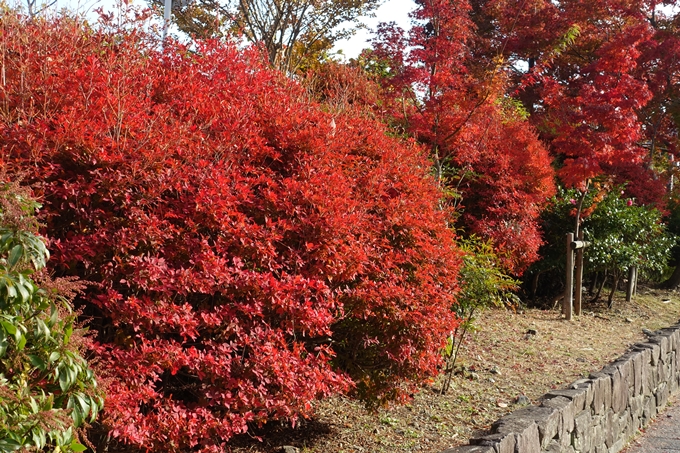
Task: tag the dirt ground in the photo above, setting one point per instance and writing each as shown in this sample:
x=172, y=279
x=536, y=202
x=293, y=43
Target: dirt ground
x=501, y=361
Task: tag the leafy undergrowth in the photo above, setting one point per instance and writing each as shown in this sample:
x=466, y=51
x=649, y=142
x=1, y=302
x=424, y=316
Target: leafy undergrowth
x=501, y=361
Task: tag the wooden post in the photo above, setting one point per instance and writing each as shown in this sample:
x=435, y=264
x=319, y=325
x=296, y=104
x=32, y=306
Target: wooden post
x=568, y=301
x=632, y=277
x=578, y=283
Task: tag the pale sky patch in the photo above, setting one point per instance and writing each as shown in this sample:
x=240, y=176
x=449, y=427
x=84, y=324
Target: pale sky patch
x=390, y=11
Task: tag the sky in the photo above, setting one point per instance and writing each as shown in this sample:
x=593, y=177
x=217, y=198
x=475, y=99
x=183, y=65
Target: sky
x=390, y=11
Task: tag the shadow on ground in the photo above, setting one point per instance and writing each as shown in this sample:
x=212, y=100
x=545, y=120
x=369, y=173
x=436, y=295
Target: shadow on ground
x=274, y=435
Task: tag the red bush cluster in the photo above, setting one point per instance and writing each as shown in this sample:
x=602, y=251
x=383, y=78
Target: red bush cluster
x=250, y=253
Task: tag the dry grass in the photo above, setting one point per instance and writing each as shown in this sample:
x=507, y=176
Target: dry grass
x=499, y=362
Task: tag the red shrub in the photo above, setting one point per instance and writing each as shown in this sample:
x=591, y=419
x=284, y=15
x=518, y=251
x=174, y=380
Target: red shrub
x=251, y=254
x=505, y=186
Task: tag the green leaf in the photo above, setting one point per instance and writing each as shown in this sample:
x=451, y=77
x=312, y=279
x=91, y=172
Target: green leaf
x=72, y=375
x=6, y=237
x=53, y=315
x=39, y=438
x=9, y=445
x=42, y=329
x=54, y=357
x=11, y=289
x=75, y=446
x=77, y=416
x=48, y=404
x=84, y=403
x=64, y=383
x=9, y=327
x=37, y=362
x=24, y=293
x=34, y=406
x=15, y=255
x=96, y=404
x=22, y=341
x=68, y=331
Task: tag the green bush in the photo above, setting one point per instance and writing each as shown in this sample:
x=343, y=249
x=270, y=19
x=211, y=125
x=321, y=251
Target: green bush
x=626, y=235
x=622, y=234
x=47, y=389
x=482, y=284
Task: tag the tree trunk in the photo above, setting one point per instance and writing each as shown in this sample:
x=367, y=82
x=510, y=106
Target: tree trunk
x=674, y=280
x=615, y=286
x=599, y=288
x=534, y=285
x=593, y=283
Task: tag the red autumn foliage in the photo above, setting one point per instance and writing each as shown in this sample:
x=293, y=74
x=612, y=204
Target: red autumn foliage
x=506, y=185
x=593, y=67
x=659, y=68
x=484, y=150
x=641, y=182
x=342, y=88
x=593, y=121
x=249, y=253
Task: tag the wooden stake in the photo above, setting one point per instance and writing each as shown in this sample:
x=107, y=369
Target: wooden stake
x=578, y=284
x=632, y=277
x=568, y=301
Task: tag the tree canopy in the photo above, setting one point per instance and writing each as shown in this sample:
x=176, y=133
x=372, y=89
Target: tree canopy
x=292, y=32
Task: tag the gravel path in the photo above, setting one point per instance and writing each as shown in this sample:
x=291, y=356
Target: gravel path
x=663, y=434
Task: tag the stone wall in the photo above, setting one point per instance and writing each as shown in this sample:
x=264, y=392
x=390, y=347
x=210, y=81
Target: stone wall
x=595, y=415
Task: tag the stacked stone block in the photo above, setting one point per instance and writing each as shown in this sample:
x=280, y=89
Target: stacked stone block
x=595, y=415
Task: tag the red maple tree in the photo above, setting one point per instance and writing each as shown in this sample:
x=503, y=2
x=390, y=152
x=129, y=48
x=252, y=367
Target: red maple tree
x=588, y=85
x=453, y=100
